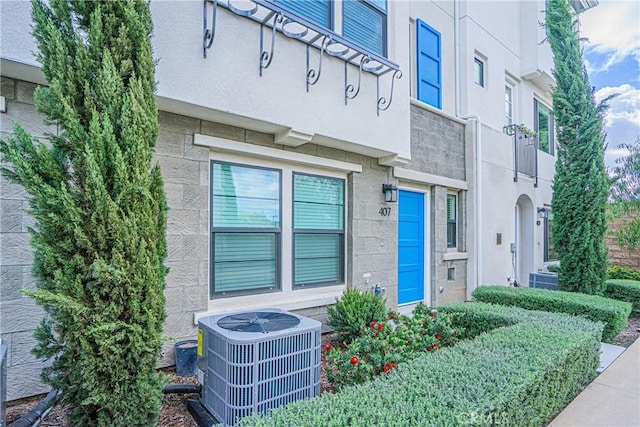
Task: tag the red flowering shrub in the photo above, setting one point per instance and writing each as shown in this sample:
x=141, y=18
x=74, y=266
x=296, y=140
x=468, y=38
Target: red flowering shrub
x=385, y=344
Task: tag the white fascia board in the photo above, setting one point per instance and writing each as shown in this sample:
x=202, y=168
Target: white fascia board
x=225, y=145
x=427, y=178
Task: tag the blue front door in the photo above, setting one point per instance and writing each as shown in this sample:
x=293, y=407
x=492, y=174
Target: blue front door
x=410, y=247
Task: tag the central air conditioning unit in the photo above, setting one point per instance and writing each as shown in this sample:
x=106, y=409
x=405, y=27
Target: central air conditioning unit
x=255, y=361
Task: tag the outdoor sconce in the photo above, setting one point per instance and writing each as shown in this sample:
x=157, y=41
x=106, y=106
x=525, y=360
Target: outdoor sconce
x=390, y=193
x=543, y=213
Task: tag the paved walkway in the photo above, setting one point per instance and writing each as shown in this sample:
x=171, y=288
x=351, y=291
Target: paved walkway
x=612, y=399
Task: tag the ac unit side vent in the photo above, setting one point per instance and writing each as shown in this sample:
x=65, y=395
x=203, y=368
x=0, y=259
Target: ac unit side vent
x=257, y=361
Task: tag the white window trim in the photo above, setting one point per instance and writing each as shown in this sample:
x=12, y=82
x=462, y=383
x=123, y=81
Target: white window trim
x=508, y=84
x=256, y=151
x=287, y=298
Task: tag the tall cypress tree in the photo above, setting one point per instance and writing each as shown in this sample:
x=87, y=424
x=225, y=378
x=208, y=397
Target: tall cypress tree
x=580, y=185
x=99, y=208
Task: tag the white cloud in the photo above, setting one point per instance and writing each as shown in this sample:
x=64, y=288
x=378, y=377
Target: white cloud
x=624, y=107
x=613, y=29
x=622, y=120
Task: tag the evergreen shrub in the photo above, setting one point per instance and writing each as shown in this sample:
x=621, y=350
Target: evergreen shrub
x=99, y=210
x=624, y=290
x=598, y=309
x=353, y=311
x=520, y=375
x=618, y=272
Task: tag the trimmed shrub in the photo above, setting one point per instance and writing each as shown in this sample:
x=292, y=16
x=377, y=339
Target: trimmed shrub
x=599, y=309
x=624, y=290
x=522, y=375
x=352, y=313
x=618, y=272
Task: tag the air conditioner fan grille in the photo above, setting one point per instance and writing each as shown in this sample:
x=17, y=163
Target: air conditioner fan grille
x=258, y=321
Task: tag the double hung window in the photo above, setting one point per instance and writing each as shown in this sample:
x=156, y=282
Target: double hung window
x=246, y=228
x=255, y=237
x=318, y=229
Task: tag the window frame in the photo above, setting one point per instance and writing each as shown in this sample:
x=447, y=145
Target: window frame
x=479, y=64
x=453, y=242
x=384, y=13
x=331, y=12
x=548, y=237
x=285, y=242
x=341, y=233
x=241, y=230
x=550, y=127
x=510, y=119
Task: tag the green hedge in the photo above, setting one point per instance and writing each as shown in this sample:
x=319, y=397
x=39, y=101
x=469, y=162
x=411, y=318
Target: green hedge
x=521, y=375
x=624, y=290
x=618, y=272
x=599, y=309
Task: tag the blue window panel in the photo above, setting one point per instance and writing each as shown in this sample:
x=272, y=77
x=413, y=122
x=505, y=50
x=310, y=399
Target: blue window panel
x=365, y=25
x=429, y=65
x=316, y=11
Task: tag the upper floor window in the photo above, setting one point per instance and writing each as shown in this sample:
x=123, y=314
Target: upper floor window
x=543, y=126
x=428, y=65
x=478, y=71
x=317, y=11
x=363, y=21
x=508, y=104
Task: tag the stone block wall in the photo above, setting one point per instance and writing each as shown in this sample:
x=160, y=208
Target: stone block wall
x=438, y=148
x=19, y=315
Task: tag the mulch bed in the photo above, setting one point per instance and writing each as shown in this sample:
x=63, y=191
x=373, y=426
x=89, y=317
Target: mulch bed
x=174, y=411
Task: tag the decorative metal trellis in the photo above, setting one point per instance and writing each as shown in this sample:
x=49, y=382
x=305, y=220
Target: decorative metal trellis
x=274, y=19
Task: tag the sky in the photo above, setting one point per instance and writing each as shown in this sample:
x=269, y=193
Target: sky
x=612, y=59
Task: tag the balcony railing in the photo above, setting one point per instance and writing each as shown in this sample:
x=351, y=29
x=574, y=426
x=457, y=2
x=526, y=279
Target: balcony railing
x=525, y=152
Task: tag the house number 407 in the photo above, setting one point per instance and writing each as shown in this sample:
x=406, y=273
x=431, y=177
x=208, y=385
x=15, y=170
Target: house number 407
x=384, y=211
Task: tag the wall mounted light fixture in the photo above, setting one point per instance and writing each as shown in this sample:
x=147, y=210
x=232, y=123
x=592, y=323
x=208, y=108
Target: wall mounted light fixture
x=543, y=213
x=390, y=193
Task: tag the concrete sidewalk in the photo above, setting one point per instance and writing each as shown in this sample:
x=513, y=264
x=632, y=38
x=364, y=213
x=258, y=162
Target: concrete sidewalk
x=612, y=399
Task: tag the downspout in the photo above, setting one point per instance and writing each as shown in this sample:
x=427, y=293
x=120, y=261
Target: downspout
x=478, y=150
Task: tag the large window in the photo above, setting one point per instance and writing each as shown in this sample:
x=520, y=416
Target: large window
x=247, y=234
x=318, y=230
x=428, y=65
x=543, y=126
x=246, y=227
x=452, y=220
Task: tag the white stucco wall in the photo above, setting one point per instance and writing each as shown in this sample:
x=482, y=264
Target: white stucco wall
x=226, y=85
